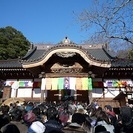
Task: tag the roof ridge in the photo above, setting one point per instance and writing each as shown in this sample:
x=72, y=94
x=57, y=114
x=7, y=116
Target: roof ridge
x=31, y=51
x=108, y=53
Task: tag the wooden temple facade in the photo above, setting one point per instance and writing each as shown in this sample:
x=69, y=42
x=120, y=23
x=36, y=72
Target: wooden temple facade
x=68, y=71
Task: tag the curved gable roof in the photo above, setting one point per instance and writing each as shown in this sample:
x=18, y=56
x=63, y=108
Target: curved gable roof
x=94, y=56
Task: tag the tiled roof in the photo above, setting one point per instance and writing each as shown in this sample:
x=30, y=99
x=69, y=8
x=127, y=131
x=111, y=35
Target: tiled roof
x=36, y=55
x=122, y=62
x=11, y=63
x=97, y=53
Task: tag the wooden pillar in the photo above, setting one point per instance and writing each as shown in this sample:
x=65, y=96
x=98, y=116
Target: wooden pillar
x=43, y=84
x=60, y=95
x=75, y=95
x=6, y=92
x=42, y=96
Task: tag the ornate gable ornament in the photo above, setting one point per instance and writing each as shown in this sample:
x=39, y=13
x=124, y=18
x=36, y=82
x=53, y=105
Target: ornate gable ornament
x=66, y=40
x=66, y=68
x=65, y=54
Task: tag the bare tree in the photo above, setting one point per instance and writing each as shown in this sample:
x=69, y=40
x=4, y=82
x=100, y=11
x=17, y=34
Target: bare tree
x=109, y=21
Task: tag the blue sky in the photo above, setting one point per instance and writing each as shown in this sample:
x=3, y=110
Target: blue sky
x=44, y=21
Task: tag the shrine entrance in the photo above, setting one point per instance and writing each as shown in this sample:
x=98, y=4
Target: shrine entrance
x=80, y=95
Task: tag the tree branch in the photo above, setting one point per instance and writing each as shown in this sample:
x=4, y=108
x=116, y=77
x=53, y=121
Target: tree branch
x=123, y=38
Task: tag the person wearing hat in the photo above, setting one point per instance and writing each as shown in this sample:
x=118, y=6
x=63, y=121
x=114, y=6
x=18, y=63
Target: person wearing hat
x=36, y=127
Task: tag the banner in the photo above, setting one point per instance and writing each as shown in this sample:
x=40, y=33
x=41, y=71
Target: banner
x=66, y=83
x=48, y=83
x=36, y=84
x=118, y=83
x=43, y=84
x=72, y=83
x=97, y=84
x=84, y=83
x=78, y=84
x=60, y=83
x=90, y=83
x=54, y=83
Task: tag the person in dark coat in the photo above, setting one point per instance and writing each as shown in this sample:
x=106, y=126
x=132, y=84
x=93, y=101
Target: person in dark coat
x=53, y=123
x=10, y=128
x=126, y=119
x=76, y=125
x=101, y=129
x=16, y=116
x=111, y=114
x=4, y=116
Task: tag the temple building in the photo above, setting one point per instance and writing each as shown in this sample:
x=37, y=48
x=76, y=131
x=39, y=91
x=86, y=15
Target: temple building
x=69, y=71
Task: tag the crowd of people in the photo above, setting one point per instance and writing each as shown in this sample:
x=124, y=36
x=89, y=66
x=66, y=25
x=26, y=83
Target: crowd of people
x=64, y=117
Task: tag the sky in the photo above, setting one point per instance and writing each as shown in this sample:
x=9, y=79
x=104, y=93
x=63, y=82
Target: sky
x=44, y=21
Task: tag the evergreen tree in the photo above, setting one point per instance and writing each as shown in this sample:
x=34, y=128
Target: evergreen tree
x=13, y=44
